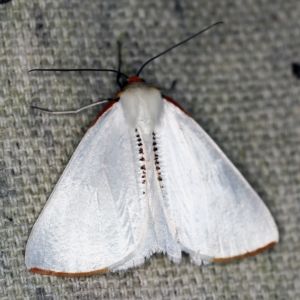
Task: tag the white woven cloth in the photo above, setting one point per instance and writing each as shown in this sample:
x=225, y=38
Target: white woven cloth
x=235, y=81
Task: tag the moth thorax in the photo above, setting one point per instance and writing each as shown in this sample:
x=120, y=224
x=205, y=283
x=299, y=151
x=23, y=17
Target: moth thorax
x=142, y=106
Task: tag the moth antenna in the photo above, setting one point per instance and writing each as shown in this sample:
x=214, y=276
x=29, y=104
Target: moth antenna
x=78, y=70
x=186, y=40
x=72, y=111
x=119, y=65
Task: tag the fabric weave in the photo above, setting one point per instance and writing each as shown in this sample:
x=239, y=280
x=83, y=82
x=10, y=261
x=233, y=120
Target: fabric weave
x=235, y=80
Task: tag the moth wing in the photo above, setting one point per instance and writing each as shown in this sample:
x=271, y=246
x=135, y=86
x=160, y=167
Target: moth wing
x=217, y=215
x=94, y=218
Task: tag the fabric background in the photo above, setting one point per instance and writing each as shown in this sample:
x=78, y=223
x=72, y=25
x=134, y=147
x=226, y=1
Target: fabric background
x=235, y=80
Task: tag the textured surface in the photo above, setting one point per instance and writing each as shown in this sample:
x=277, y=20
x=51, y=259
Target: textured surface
x=235, y=81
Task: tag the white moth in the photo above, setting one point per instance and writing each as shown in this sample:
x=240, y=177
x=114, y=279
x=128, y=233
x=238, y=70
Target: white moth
x=146, y=178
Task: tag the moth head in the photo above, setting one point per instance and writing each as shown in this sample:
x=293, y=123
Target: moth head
x=135, y=79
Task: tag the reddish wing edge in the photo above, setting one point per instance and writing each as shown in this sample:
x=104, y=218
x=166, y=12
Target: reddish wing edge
x=65, y=274
x=105, y=108
x=175, y=103
x=104, y=270
x=225, y=259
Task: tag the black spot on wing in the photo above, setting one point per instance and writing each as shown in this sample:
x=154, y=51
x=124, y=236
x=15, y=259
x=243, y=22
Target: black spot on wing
x=156, y=158
x=141, y=156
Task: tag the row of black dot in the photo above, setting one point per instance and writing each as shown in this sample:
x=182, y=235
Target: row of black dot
x=141, y=151
x=156, y=157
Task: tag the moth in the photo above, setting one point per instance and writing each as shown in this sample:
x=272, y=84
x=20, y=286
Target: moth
x=145, y=179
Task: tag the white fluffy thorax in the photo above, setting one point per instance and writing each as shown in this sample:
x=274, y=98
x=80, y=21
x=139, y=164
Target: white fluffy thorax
x=142, y=106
